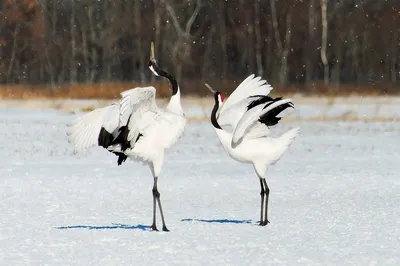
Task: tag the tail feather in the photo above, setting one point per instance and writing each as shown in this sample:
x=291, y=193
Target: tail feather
x=271, y=117
x=287, y=138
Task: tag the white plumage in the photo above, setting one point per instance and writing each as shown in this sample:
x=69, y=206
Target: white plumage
x=134, y=127
x=250, y=86
x=249, y=120
x=250, y=112
x=84, y=131
x=138, y=111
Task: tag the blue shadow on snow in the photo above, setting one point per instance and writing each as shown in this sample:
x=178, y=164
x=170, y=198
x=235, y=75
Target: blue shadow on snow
x=219, y=221
x=106, y=227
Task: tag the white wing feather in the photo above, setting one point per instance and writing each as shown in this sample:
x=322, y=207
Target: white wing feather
x=133, y=107
x=250, y=117
x=257, y=130
x=139, y=99
x=84, y=131
x=232, y=114
x=250, y=86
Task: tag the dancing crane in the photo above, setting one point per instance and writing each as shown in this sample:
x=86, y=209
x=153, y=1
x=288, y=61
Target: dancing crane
x=251, y=112
x=135, y=127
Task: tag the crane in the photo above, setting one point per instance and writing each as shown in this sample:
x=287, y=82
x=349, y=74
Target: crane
x=251, y=112
x=136, y=128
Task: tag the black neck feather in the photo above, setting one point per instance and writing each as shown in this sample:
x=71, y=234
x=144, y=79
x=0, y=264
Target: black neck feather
x=214, y=121
x=171, y=79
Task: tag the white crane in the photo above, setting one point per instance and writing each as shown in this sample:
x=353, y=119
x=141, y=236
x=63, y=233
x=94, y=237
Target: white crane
x=250, y=113
x=135, y=127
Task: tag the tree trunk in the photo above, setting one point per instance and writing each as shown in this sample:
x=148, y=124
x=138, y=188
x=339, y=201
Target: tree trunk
x=258, y=54
x=93, y=48
x=223, y=42
x=139, y=44
x=309, y=52
x=85, y=51
x=394, y=57
x=47, y=36
x=74, y=71
x=208, y=47
x=283, y=50
x=157, y=25
x=13, y=51
x=324, y=22
x=338, y=62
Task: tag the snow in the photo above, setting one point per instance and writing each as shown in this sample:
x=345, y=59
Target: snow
x=311, y=108
x=334, y=199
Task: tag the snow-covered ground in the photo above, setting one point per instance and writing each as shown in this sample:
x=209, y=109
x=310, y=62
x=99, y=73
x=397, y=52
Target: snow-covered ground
x=335, y=199
x=307, y=108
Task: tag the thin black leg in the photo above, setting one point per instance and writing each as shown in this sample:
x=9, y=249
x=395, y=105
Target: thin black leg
x=266, y=201
x=156, y=196
x=155, y=192
x=162, y=214
x=262, y=193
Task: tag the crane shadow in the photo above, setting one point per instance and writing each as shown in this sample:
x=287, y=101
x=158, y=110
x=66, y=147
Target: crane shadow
x=218, y=221
x=107, y=227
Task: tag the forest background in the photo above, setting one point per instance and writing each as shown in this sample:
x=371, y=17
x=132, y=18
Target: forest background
x=95, y=49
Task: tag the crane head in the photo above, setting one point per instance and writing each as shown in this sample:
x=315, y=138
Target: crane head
x=221, y=97
x=218, y=95
x=153, y=62
x=152, y=57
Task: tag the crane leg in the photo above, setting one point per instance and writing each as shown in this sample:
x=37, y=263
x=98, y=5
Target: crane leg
x=262, y=193
x=266, y=201
x=155, y=192
x=156, y=197
x=162, y=215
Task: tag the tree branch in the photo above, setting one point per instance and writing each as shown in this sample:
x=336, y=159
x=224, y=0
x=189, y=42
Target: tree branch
x=275, y=25
x=193, y=17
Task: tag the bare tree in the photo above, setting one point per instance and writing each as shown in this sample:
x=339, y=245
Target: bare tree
x=324, y=37
x=14, y=50
x=182, y=45
x=55, y=41
x=258, y=55
x=282, y=46
x=139, y=44
x=73, y=64
x=222, y=36
x=395, y=56
x=309, y=53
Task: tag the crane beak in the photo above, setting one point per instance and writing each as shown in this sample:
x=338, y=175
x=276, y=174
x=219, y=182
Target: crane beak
x=152, y=57
x=210, y=88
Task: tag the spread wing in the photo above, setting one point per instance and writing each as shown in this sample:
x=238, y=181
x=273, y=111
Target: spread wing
x=237, y=103
x=83, y=132
x=232, y=114
x=250, y=86
x=137, y=110
x=103, y=126
x=266, y=113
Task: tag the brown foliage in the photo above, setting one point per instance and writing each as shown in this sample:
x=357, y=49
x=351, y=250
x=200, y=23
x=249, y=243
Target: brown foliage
x=58, y=42
x=76, y=91
x=112, y=90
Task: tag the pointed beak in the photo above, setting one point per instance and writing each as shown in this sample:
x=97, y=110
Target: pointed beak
x=152, y=57
x=210, y=88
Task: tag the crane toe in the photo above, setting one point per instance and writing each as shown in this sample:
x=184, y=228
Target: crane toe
x=154, y=228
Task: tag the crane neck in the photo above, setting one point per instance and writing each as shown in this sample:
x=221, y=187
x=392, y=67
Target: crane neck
x=161, y=73
x=174, y=104
x=214, y=121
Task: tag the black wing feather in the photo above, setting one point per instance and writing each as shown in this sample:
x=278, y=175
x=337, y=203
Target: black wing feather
x=260, y=99
x=270, y=118
x=106, y=139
